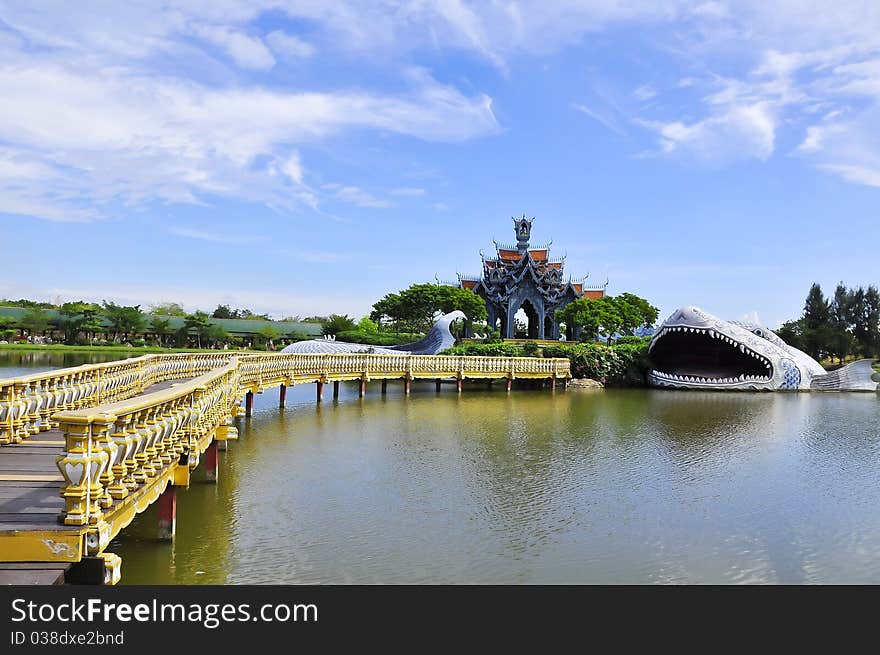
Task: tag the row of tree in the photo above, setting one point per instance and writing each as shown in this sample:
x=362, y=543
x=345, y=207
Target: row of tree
x=90, y=322
x=846, y=324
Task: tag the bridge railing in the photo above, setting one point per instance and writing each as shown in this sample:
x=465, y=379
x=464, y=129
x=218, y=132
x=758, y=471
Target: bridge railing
x=119, y=456
x=28, y=402
x=262, y=370
x=123, y=450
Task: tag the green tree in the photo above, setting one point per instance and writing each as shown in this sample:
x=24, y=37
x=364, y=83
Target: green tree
x=216, y=334
x=367, y=326
x=841, y=339
x=450, y=299
x=197, y=322
x=8, y=328
x=390, y=306
x=817, y=330
x=161, y=327
x=864, y=318
x=168, y=309
x=792, y=333
x=222, y=311
x=79, y=317
x=337, y=323
x=607, y=316
x=34, y=320
x=267, y=335
x=635, y=312
x=127, y=321
x=415, y=307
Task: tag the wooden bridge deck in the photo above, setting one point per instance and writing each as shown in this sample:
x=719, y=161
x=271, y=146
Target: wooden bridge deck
x=30, y=501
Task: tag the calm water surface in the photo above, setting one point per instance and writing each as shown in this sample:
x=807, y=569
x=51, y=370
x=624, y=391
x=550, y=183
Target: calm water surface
x=621, y=486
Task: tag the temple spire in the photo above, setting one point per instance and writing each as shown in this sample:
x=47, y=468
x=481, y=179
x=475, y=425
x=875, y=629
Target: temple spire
x=523, y=229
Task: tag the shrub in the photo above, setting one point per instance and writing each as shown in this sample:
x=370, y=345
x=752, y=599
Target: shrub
x=377, y=338
x=486, y=350
x=620, y=364
x=531, y=349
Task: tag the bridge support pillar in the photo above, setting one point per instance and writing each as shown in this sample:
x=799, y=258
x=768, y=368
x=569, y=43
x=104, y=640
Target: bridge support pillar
x=553, y=383
x=319, y=391
x=437, y=385
x=167, y=513
x=384, y=386
x=212, y=461
x=458, y=384
x=336, y=389
x=282, y=395
x=407, y=385
x=249, y=403
x=509, y=384
x=362, y=389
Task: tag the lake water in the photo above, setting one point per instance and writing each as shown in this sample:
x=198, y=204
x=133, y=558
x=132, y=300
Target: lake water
x=620, y=486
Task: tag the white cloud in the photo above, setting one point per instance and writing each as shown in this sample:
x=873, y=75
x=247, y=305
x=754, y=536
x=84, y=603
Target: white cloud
x=215, y=237
x=736, y=132
x=357, y=196
x=247, y=51
x=292, y=168
x=601, y=118
x=288, y=45
x=114, y=136
x=408, y=191
x=644, y=92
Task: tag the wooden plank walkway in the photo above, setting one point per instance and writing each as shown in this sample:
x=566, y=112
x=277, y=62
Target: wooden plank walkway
x=30, y=500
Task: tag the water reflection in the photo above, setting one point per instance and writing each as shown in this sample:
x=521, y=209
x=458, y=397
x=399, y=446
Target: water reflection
x=26, y=362
x=620, y=486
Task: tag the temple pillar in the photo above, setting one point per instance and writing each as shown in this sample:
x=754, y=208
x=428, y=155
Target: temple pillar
x=541, y=315
x=511, y=322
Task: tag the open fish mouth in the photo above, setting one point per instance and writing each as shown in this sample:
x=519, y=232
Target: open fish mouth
x=693, y=356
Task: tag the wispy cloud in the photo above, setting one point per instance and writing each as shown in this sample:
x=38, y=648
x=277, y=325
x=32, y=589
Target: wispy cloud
x=601, y=117
x=408, y=191
x=288, y=45
x=216, y=237
x=644, y=92
x=357, y=196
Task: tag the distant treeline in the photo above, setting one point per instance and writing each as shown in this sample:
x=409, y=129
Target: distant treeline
x=168, y=324
x=847, y=324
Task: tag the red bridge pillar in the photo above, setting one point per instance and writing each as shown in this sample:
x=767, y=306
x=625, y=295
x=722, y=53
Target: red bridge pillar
x=212, y=461
x=167, y=513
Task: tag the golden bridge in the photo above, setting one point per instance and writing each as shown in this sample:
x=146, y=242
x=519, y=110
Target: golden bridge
x=83, y=450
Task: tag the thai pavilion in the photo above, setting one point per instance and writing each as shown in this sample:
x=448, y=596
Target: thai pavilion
x=521, y=277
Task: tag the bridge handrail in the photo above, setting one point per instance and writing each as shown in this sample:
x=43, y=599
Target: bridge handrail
x=28, y=402
x=133, y=444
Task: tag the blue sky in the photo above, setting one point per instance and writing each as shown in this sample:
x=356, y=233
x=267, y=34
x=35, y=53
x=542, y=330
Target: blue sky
x=308, y=157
